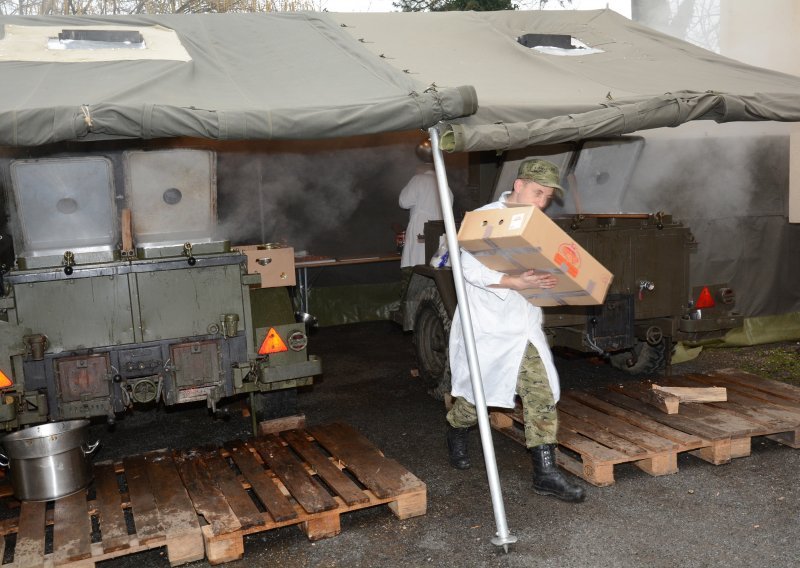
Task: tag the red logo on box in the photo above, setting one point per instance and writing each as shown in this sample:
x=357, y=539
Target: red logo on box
x=568, y=259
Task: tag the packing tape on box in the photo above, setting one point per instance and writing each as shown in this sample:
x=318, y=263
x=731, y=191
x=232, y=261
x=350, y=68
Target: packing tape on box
x=508, y=253
x=558, y=297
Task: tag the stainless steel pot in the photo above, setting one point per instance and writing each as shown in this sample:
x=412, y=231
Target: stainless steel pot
x=49, y=461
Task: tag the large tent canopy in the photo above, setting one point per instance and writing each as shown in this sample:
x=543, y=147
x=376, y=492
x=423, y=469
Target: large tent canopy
x=628, y=77
x=312, y=75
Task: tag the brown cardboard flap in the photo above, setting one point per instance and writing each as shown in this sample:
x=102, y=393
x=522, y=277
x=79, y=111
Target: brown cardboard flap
x=275, y=264
x=515, y=239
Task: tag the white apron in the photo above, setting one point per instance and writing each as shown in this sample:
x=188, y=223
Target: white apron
x=421, y=197
x=503, y=323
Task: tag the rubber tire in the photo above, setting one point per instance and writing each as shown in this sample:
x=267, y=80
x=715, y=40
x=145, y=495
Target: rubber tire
x=649, y=358
x=431, y=342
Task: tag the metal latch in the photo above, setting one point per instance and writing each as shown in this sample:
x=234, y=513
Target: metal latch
x=645, y=285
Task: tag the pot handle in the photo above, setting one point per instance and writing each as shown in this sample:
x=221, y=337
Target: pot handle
x=88, y=450
x=3, y=460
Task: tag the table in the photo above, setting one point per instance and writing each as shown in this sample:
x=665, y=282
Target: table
x=303, y=263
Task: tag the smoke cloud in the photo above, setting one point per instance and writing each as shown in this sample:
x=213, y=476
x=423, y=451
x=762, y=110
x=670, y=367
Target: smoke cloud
x=729, y=185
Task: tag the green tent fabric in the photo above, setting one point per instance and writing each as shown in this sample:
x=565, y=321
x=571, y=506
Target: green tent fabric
x=633, y=78
x=249, y=76
x=315, y=75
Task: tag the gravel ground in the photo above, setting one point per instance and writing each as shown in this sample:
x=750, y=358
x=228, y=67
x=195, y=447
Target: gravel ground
x=745, y=513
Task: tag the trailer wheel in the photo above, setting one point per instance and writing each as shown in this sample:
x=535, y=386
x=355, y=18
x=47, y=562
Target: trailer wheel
x=642, y=359
x=431, y=340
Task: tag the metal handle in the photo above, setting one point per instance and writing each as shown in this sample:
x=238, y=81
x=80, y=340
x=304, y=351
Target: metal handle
x=90, y=448
x=3, y=460
x=264, y=261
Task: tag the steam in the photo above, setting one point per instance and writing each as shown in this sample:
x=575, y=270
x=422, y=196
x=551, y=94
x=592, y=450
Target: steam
x=331, y=198
x=729, y=185
x=329, y=202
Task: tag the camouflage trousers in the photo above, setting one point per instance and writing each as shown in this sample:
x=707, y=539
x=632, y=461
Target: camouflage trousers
x=538, y=404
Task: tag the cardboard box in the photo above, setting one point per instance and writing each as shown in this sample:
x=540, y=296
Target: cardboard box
x=275, y=264
x=522, y=237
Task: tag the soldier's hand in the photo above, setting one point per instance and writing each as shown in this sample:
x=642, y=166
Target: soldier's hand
x=533, y=279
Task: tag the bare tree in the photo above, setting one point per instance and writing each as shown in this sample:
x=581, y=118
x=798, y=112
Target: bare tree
x=85, y=7
x=696, y=21
x=476, y=5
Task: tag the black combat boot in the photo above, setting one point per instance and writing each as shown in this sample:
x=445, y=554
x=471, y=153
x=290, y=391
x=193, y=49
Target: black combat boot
x=458, y=447
x=548, y=479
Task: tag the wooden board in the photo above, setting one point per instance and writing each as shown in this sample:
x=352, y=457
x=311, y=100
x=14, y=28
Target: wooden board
x=302, y=465
x=336, y=480
x=385, y=477
x=263, y=485
x=208, y=499
x=616, y=425
x=291, y=471
x=29, y=549
x=237, y=498
x=109, y=508
x=202, y=502
x=72, y=529
x=143, y=504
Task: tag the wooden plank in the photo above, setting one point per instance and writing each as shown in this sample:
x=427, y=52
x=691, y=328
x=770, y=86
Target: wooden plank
x=641, y=438
x=332, y=475
x=659, y=464
x=206, y=497
x=694, y=394
x=384, y=477
x=771, y=386
x=222, y=548
x=751, y=391
x=29, y=550
x=759, y=412
x=145, y=512
x=306, y=490
x=184, y=537
x=297, y=421
x=589, y=449
x=665, y=402
x=238, y=499
x=126, y=230
x=639, y=420
x=271, y=496
x=599, y=435
x=113, y=528
x=503, y=423
x=745, y=396
x=791, y=439
x=322, y=526
x=675, y=421
x=72, y=529
x=600, y=475
x=719, y=452
x=410, y=504
x=693, y=415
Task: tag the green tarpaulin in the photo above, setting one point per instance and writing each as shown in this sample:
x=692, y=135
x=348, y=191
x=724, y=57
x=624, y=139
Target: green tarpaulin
x=312, y=75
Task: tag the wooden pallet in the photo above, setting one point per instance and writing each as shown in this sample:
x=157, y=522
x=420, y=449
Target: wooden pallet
x=616, y=425
x=201, y=503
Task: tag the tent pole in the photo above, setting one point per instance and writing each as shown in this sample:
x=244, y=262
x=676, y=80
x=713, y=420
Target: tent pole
x=503, y=538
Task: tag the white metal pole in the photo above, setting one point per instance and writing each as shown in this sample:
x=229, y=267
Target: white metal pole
x=503, y=537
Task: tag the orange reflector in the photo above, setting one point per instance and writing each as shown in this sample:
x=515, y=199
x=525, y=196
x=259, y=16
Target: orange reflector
x=272, y=343
x=705, y=300
x=5, y=381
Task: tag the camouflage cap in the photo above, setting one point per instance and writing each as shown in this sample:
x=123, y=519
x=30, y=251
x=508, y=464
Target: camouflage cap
x=542, y=172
